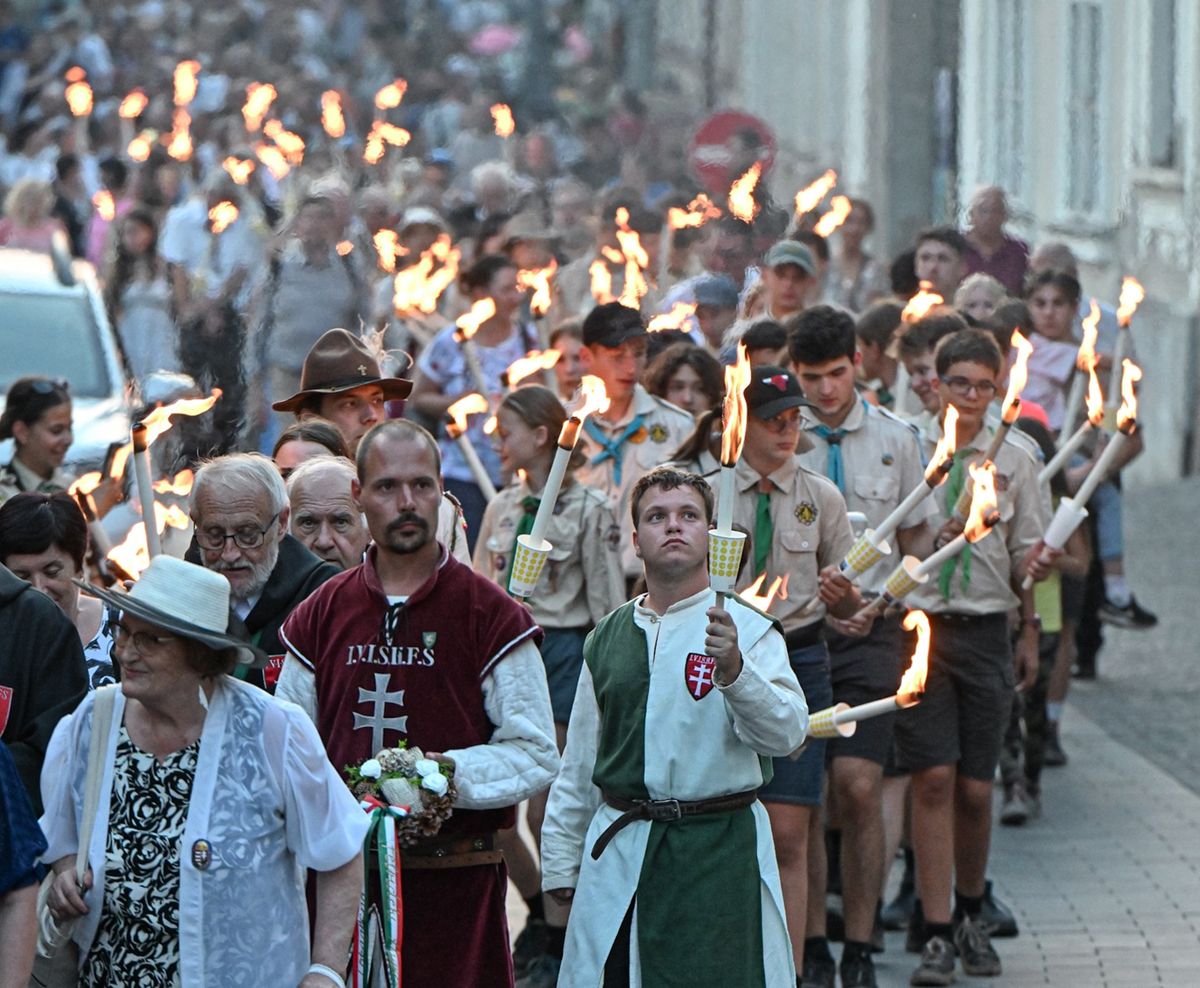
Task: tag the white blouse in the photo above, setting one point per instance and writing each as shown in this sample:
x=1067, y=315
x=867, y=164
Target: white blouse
x=267, y=803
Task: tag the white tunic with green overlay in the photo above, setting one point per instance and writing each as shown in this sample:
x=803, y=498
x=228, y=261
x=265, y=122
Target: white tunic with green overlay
x=650, y=723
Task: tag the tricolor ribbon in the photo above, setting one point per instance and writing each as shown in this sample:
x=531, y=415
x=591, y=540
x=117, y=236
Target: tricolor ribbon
x=379, y=927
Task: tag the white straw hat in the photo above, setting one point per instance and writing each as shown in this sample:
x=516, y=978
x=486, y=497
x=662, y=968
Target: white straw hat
x=185, y=599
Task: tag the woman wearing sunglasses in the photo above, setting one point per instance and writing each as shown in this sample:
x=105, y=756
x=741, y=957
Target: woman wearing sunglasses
x=37, y=418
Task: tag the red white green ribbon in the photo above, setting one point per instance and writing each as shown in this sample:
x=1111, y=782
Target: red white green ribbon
x=379, y=926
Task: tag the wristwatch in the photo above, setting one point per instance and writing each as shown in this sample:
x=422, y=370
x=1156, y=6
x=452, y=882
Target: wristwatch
x=1033, y=621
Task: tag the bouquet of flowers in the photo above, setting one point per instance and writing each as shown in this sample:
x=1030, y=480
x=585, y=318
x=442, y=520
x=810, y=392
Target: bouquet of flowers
x=420, y=791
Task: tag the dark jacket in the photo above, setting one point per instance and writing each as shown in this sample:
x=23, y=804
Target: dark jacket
x=42, y=675
x=297, y=573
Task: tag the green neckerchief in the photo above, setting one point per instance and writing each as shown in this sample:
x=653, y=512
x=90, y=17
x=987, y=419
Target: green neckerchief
x=764, y=532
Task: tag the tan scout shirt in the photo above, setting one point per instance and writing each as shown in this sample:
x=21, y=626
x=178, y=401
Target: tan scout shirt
x=15, y=477
x=881, y=462
x=664, y=428
x=811, y=531
x=1024, y=514
x=582, y=580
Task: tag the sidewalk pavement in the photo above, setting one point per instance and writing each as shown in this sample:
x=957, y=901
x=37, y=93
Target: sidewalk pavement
x=1105, y=885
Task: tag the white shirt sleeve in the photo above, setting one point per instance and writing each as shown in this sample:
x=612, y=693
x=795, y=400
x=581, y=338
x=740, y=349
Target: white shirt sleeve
x=573, y=797
x=766, y=703
x=521, y=758
x=298, y=684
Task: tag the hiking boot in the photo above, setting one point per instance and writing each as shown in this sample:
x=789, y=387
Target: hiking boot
x=530, y=945
x=996, y=916
x=914, y=939
x=1014, y=812
x=819, y=972
x=1133, y=616
x=542, y=973
x=858, y=972
x=1053, y=755
x=975, y=950
x=937, y=964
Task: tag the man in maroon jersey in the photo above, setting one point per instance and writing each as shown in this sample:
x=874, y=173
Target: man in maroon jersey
x=413, y=645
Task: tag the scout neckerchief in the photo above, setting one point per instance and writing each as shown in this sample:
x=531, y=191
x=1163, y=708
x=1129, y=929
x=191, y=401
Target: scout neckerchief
x=610, y=449
x=525, y=524
x=835, y=468
x=764, y=528
x=955, y=482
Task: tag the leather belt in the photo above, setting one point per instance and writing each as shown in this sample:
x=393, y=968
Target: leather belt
x=452, y=852
x=666, y=810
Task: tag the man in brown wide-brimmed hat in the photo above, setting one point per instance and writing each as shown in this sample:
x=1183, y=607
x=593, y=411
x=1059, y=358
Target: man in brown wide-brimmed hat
x=341, y=381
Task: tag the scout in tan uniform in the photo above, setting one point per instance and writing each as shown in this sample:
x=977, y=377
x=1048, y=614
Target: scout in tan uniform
x=951, y=740
x=797, y=526
x=875, y=460
x=580, y=584
x=639, y=431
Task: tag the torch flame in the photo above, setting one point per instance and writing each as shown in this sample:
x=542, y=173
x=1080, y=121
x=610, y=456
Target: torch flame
x=239, y=169
x=741, y=194
x=332, y=118
x=808, y=198
x=133, y=105
x=1131, y=297
x=75, y=74
x=733, y=435
x=387, y=246
x=418, y=288
x=185, y=81
x=180, y=484
x=538, y=280
x=389, y=97
x=139, y=147
x=179, y=141
x=593, y=398
x=292, y=145
x=830, y=221
x=222, y=216
x=86, y=484
x=469, y=322
x=381, y=135
x=344, y=248
x=919, y=305
x=983, y=502
x=472, y=404
x=132, y=555
x=699, y=211
x=601, y=282
x=1095, y=396
x=503, y=119
x=912, y=684
x=1017, y=376
x=106, y=208
x=1086, y=358
x=675, y=319
x=636, y=261
x=1131, y=373
x=273, y=160
x=259, y=97
x=943, y=452
x=79, y=97
x=752, y=594
x=491, y=425
x=157, y=422
x=531, y=363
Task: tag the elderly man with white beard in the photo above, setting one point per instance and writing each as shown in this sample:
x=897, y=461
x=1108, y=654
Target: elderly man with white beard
x=240, y=509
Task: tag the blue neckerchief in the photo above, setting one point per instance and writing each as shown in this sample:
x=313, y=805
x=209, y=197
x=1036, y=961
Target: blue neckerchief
x=611, y=448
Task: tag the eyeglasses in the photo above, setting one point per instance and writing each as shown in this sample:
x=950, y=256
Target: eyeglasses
x=247, y=537
x=143, y=641
x=962, y=387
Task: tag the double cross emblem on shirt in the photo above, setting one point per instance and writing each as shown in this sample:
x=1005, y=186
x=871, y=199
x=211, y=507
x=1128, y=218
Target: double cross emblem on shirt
x=376, y=722
x=698, y=674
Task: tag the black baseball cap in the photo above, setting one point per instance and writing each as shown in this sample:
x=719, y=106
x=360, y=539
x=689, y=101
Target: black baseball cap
x=611, y=324
x=773, y=390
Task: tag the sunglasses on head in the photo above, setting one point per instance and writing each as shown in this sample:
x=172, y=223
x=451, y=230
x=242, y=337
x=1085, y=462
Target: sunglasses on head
x=48, y=386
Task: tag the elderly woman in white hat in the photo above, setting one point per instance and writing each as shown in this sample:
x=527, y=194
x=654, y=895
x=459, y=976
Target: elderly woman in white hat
x=214, y=799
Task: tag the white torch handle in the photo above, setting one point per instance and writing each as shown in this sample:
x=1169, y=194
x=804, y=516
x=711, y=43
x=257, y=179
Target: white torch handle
x=476, y=467
x=472, y=361
x=1074, y=401
x=865, y=711
x=1113, y=398
x=1100, y=471
x=545, y=511
x=948, y=551
x=1059, y=459
x=725, y=499
x=892, y=522
x=141, y=472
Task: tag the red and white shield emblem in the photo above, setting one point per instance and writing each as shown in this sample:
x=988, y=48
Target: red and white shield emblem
x=5, y=706
x=698, y=674
x=272, y=670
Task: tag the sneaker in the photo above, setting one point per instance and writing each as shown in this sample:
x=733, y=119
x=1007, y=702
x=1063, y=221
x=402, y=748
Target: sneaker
x=914, y=939
x=897, y=912
x=975, y=950
x=996, y=916
x=542, y=973
x=530, y=945
x=1132, y=616
x=819, y=972
x=1014, y=812
x=937, y=964
x=858, y=972
x=1053, y=755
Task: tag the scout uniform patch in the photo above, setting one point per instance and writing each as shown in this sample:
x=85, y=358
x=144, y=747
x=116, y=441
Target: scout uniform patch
x=806, y=512
x=639, y=436
x=658, y=433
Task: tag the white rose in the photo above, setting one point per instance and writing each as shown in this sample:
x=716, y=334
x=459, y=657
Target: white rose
x=436, y=784
x=401, y=792
x=427, y=766
x=370, y=769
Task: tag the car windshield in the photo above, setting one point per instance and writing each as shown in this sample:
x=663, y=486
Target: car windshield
x=53, y=335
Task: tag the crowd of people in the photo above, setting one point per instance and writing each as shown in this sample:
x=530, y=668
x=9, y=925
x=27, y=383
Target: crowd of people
x=345, y=584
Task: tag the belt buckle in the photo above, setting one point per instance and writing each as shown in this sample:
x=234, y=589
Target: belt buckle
x=672, y=808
